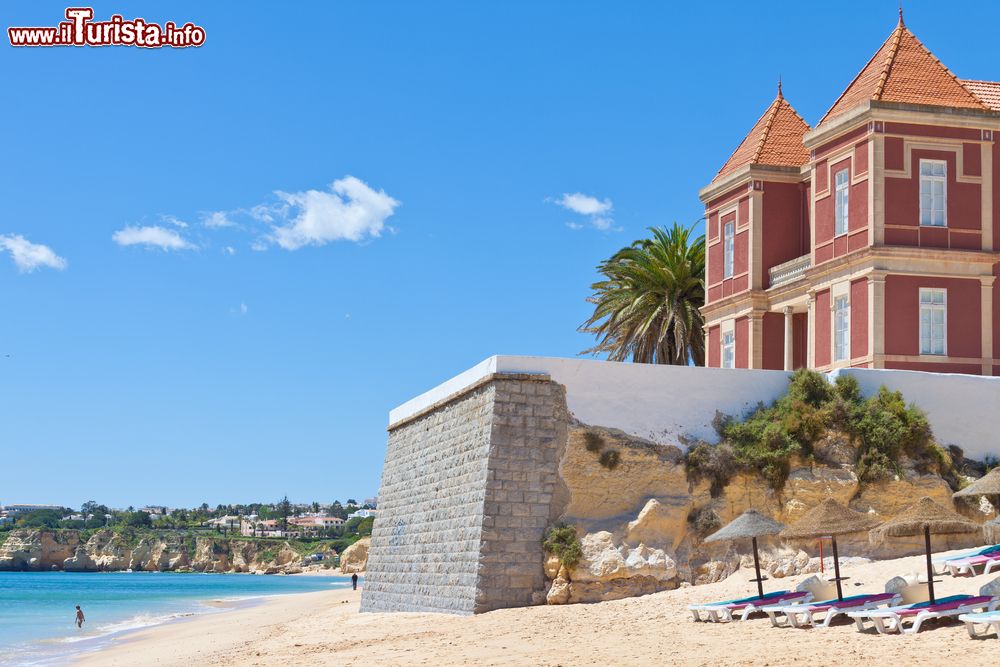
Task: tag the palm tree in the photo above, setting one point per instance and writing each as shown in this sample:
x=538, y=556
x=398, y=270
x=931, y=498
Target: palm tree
x=648, y=306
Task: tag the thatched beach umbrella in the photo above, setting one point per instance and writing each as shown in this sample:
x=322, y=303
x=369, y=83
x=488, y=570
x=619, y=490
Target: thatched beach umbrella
x=987, y=485
x=924, y=516
x=750, y=524
x=827, y=520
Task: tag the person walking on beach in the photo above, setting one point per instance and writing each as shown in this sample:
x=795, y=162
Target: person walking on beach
x=354, y=581
x=79, y=617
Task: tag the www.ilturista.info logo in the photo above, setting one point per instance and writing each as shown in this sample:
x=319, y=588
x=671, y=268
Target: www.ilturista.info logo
x=80, y=30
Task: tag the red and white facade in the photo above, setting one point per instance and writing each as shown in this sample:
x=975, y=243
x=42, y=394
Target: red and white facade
x=868, y=241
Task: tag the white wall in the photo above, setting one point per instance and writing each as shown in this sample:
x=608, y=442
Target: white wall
x=667, y=403
x=964, y=410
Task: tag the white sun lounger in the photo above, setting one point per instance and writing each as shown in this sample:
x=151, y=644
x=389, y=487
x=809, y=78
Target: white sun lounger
x=892, y=619
x=718, y=612
x=941, y=562
x=960, y=566
x=802, y=615
x=989, y=619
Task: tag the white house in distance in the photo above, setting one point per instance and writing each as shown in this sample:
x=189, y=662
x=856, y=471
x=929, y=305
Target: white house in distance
x=228, y=522
x=361, y=514
x=316, y=522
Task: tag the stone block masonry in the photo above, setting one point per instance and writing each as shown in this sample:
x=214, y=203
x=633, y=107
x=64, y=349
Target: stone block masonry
x=469, y=485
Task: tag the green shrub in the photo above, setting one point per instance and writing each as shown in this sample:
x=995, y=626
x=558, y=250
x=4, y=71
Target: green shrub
x=883, y=427
x=610, y=459
x=561, y=541
x=593, y=442
x=365, y=527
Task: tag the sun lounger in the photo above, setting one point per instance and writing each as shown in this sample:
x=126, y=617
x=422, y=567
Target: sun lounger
x=940, y=566
x=709, y=606
x=723, y=611
x=959, y=566
x=990, y=619
x=801, y=615
x=893, y=619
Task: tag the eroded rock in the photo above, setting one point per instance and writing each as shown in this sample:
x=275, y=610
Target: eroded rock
x=355, y=557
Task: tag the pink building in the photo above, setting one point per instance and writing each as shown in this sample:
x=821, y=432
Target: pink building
x=868, y=240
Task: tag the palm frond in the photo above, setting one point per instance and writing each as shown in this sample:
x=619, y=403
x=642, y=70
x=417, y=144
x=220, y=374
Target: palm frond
x=647, y=308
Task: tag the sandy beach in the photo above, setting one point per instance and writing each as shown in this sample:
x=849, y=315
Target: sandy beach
x=325, y=628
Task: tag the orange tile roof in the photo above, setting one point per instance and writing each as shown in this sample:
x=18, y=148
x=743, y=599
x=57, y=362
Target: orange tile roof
x=903, y=70
x=987, y=91
x=775, y=140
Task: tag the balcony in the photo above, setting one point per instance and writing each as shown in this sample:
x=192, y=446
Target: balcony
x=789, y=271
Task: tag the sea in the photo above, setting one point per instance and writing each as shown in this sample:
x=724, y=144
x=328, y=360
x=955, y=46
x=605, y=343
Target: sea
x=37, y=609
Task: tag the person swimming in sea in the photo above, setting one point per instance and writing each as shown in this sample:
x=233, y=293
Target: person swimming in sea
x=79, y=617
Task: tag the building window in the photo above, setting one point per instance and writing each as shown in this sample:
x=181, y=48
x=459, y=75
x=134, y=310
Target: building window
x=843, y=192
x=729, y=350
x=933, y=193
x=841, y=329
x=729, y=246
x=933, y=321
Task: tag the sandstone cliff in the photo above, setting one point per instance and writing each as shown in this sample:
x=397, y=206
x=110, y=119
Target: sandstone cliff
x=105, y=550
x=355, y=557
x=641, y=524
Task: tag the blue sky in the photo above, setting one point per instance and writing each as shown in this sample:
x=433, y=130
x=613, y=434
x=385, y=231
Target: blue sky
x=392, y=178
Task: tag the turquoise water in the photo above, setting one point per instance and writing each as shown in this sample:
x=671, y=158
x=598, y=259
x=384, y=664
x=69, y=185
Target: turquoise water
x=37, y=609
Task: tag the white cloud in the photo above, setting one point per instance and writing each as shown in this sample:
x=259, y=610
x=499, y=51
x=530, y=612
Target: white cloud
x=350, y=211
x=243, y=309
x=153, y=236
x=29, y=256
x=265, y=213
x=216, y=220
x=584, y=204
x=174, y=221
x=597, y=211
x=229, y=250
x=604, y=224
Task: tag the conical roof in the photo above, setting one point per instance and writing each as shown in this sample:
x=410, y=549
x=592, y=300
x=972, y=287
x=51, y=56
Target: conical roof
x=925, y=512
x=827, y=519
x=987, y=485
x=749, y=524
x=903, y=70
x=775, y=140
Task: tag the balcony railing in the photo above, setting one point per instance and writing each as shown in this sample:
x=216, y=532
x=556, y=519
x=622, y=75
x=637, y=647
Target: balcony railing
x=789, y=271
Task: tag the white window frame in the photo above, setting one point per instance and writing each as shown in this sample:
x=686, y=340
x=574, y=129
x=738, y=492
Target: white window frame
x=842, y=334
x=842, y=202
x=936, y=207
x=927, y=305
x=727, y=341
x=728, y=248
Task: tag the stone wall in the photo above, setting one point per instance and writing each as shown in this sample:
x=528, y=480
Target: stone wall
x=427, y=537
x=522, y=494
x=468, y=488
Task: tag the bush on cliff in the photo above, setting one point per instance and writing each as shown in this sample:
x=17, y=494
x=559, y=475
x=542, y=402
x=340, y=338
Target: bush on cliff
x=883, y=429
x=561, y=541
x=704, y=521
